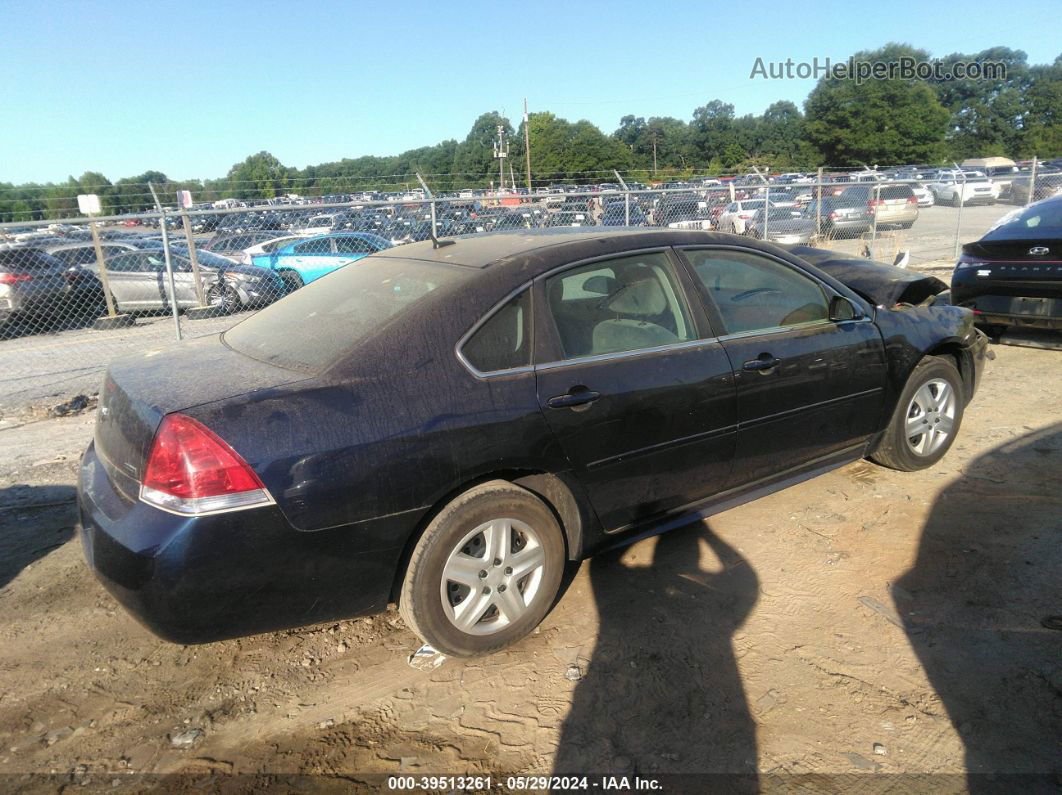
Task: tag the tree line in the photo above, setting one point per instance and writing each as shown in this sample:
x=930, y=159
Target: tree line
x=842, y=124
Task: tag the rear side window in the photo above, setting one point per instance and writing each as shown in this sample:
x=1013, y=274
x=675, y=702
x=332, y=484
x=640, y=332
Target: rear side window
x=618, y=305
x=504, y=340
x=896, y=192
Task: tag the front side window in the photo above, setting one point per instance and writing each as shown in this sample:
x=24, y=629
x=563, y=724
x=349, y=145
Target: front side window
x=504, y=340
x=754, y=293
x=624, y=304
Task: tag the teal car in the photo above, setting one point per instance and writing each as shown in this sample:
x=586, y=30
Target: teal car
x=302, y=261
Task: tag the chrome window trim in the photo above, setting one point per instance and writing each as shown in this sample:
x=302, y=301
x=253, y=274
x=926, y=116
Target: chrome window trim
x=460, y=354
x=607, y=357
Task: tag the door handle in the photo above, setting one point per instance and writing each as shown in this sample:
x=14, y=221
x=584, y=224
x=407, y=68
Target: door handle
x=577, y=397
x=762, y=362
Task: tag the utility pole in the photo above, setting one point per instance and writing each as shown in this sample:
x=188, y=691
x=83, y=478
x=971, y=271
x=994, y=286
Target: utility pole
x=527, y=146
x=654, y=154
x=501, y=151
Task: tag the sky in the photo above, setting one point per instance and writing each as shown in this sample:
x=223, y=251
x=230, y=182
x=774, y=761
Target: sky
x=190, y=87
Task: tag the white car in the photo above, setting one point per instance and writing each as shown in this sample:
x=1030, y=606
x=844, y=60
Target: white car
x=266, y=247
x=966, y=187
x=924, y=195
x=737, y=214
x=319, y=224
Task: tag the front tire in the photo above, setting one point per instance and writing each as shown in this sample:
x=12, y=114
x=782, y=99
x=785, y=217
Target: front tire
x=485, y=572
x=224, y=298
x=292, y=281
x=927, y=417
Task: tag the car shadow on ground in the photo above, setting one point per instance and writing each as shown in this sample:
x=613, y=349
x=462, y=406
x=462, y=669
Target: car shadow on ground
x=34, y=520
x=662, y=693
x=987, y=573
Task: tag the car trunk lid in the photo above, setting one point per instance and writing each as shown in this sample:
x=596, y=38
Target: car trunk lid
x=139, y=391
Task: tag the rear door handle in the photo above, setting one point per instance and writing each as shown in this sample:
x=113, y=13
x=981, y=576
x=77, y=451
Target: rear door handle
x=762, y=362
x=575, y=398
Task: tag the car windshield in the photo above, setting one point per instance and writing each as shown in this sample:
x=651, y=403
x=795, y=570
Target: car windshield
x=1035, y=222
x=315, y=325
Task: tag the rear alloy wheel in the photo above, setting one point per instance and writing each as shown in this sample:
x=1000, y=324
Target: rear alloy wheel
x=485, y=572
x=927, y=417
x=224, y=298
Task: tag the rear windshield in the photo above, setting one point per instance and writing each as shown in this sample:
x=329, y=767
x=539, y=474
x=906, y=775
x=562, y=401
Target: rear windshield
x=314, y=326
x=1037, y=221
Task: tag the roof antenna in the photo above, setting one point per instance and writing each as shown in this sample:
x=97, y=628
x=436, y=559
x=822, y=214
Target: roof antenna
x=435, y=242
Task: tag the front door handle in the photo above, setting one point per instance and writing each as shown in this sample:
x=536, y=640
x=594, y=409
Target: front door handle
x=764, y=361
x=576, y=397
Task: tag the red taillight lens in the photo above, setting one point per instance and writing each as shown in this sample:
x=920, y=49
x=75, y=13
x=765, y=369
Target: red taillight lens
x=14, y=278
x=193, y=471
x=875, y=203
x=912, y=200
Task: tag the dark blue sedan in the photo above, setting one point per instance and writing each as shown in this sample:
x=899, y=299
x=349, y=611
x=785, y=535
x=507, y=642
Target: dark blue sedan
x=446, y=426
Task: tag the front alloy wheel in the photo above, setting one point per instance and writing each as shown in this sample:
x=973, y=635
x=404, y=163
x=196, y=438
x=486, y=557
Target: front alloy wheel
x=931, y=417
x=223, y=297
x=926, y=419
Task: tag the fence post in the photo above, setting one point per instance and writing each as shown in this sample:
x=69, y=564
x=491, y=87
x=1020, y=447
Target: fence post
x=103, y=269
x=818, y=206
x=193, y=258
x=1032, y=183
x=626, y=199
x=169, y=264
x=874, y=218
x=962, y=201
x=431, y=206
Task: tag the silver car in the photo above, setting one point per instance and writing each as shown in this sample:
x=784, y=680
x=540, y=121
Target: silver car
x=139, y=282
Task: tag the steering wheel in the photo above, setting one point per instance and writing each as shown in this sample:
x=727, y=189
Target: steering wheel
x=754, y=291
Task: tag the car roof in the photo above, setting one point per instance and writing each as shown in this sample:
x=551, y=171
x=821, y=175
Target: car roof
x=550, y=247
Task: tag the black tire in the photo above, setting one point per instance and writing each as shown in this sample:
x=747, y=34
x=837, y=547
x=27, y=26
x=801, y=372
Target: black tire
x=421, y=601
x=896, y=450
x=292, y=281
x=224, y=297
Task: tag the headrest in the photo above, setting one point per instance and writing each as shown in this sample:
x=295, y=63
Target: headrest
x=644, y=298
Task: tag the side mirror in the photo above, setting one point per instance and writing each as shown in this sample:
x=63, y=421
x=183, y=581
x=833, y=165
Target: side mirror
x=841, y=309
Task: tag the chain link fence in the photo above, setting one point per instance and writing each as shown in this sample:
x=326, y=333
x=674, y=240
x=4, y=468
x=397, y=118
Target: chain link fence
x=76, y=294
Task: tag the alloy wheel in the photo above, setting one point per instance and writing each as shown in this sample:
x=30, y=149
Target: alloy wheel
x=930, y=417
x=492, y=576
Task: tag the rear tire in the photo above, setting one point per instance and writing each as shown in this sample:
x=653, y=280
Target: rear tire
x=485, y=572
x=926, y=419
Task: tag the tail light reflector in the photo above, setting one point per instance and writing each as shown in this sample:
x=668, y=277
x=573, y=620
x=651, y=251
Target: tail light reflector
x=192, y=471
x=14, y=278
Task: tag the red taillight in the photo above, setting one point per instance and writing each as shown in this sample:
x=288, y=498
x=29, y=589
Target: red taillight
x=14, y=278
x=912, y=200
x=191, y=470
x=875, y=203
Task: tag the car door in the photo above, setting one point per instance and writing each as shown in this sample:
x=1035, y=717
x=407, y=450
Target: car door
x=133, y=281
x=807, y=387
x=312, y=258
x=636, y=389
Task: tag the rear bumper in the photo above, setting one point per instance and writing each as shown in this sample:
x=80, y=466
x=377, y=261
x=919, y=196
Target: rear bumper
x=1009, y=303
x=195, y=580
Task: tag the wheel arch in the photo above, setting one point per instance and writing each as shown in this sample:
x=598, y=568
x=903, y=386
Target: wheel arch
x=963, y=360
x=560, y=493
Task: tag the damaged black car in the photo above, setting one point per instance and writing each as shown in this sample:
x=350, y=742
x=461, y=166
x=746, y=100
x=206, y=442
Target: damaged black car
x=450, y=423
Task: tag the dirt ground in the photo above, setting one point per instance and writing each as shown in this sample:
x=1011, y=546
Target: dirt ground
x=866, y=621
